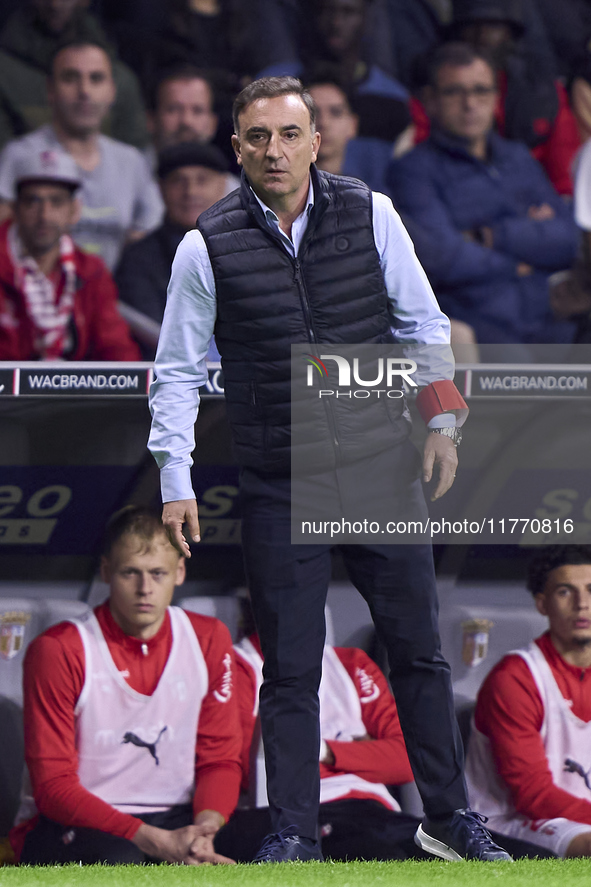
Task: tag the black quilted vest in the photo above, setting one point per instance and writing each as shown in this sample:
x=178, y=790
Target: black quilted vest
x=333, y=293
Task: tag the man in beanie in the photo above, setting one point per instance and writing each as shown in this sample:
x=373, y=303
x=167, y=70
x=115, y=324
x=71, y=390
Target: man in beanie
x=56, y=302
x=192, y=177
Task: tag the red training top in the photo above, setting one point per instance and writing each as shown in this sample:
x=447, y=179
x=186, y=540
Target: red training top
x=384, y=760
x=509, y=712
x=54, y=671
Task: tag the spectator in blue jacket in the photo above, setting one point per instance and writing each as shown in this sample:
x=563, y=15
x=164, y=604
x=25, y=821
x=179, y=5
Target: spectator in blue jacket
x=488, y=226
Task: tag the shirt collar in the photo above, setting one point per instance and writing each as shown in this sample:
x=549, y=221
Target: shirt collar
x=272, y=216
x=112, y=630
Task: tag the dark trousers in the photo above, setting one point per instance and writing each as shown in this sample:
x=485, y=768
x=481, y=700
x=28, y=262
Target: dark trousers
x=288, y=585
x=50, y=843
x=355, y=828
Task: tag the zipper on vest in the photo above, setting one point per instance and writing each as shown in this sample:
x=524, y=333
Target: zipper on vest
x=298, y=279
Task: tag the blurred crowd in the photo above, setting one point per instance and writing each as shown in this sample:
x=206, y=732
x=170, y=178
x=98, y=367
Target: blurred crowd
x=472, y=115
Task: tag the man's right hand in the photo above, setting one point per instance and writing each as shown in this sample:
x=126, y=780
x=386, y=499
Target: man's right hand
x=182, y=845
x=174, y=515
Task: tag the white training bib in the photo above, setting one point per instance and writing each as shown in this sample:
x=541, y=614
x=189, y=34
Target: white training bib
x=567, y=742
x=137, y=752
x=340, y=719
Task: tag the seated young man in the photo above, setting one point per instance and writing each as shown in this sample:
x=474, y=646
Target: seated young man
x=529, y=756
x=132, y=733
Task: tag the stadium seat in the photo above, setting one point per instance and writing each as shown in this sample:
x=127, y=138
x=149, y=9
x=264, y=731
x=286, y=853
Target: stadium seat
x=464, y=715
x=56, y=610
x=97, y=593
x=256, y=794
x=21, y=620
x=226, y=608
x=479, y=624
x=409, y=799
x=349, y=622
x=11, y=761
x=64, y=590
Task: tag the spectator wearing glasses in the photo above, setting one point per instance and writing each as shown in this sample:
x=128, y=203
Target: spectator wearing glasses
x=532, y=106
x=488, y=226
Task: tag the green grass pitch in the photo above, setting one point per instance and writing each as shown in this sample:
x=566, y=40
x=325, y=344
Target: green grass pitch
x=524, y=873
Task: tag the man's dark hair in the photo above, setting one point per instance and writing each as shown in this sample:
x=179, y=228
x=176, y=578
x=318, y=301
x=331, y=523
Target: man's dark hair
x=550, y=558
x=180, y=71
x=79, y=43
x=271, y=88
x=328, y=75
x=456, y=55
x=133, y=520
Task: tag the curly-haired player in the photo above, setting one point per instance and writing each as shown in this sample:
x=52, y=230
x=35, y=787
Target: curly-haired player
x=530, y=753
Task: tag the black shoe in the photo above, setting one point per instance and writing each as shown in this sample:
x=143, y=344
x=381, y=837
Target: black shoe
x=462, y=836
x=284, y=847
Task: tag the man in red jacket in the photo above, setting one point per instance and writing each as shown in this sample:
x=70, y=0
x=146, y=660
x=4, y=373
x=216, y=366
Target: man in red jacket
x=529, y=758
x=132, y=732
x=56, y=302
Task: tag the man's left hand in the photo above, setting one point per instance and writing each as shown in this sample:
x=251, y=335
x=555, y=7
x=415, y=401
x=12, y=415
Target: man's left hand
x=440, y=453
x=202, y=852
x=206, y=824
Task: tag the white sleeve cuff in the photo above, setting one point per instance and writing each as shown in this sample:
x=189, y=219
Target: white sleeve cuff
x=442, y=420
x=175, y=484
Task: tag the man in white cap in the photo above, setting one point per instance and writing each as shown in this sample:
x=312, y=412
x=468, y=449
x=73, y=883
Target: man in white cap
x=56, y=302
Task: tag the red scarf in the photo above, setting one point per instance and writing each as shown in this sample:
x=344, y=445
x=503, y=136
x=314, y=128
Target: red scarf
x=48, y=310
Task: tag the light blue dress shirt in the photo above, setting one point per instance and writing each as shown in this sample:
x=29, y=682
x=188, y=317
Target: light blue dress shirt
x=190, y=316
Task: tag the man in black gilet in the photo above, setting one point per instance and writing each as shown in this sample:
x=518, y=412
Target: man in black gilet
x=297, y=255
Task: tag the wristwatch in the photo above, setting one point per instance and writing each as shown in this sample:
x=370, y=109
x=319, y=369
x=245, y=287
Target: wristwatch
x=454, y=434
